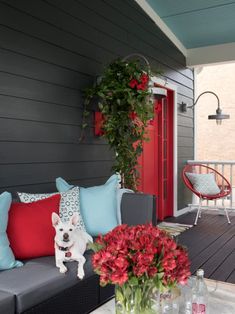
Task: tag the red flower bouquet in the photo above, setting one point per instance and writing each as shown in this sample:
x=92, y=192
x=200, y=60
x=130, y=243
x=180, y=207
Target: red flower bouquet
x=142, y=257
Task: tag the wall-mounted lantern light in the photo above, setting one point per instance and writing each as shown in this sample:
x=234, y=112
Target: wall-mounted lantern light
x=219, y=116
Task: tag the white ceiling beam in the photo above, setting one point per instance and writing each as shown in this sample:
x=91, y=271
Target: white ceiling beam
x=211, y=54
x=159, y=22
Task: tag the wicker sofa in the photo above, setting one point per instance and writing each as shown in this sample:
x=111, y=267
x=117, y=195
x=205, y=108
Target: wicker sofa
x=39, y=288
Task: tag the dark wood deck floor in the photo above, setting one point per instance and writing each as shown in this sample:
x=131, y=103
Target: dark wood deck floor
x=211, y=245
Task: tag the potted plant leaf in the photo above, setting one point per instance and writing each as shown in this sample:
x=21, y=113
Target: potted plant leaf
x=124, y=99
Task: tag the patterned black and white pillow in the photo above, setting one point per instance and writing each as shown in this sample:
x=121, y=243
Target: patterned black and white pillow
x=29, y=197
x=69, y=203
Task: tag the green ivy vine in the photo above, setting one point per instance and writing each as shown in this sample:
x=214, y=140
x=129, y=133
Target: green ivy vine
x=125, y=101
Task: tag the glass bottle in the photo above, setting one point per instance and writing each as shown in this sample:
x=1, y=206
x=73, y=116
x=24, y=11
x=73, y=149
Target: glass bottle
x=200, y=295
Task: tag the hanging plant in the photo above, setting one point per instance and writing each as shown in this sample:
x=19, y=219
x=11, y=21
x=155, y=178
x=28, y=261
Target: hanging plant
x=124, y=99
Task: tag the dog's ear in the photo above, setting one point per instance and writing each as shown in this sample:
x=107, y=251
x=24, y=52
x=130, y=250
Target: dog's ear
x=55, y=219
x=74, y=219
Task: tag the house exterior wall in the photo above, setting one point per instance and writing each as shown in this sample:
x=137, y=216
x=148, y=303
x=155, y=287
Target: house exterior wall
x=218, y=144
x=49, y=52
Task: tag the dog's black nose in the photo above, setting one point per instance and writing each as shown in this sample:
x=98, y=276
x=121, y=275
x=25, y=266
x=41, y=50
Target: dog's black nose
x=65, y=236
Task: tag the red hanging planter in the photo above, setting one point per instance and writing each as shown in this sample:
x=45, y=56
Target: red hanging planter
x=99, y=121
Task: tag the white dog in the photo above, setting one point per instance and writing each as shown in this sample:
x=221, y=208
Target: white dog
x=70, y=243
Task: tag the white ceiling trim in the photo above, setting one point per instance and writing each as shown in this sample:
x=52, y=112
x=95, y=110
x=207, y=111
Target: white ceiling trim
x=159, y=22
x=211, y=54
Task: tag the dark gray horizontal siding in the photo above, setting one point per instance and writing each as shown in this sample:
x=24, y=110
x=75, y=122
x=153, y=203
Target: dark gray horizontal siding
x=183, y=190
x=28, y=109
x=20, y=86
x=150, y=33
x=184, y=120
x=51, y=153
x=48, y=32
x=186, y=131
x=50, y=26
x=22, y=65
x=143, y=29
x=35, y=48
x=38, y=173
x=185, y=150
x=23, y=130
x=185, y=141
x=49, y=52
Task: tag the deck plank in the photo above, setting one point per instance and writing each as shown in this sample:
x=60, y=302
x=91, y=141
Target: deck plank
x=231, y=277
x=218, y=258
x=209, y=250
x=211, y=244
x=224, y=270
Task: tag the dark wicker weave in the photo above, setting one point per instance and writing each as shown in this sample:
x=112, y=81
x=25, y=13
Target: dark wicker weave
x=80, y=299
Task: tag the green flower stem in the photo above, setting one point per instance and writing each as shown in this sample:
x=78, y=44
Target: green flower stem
x=136, y=299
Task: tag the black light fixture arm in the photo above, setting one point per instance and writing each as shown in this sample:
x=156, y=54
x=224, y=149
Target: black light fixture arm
x=139, y=55
x=219, y=116
x=206, y=92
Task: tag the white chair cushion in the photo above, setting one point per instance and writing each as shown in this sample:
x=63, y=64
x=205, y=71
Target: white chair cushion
x=204, y=183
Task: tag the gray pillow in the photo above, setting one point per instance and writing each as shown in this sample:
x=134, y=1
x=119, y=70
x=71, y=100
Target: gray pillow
x=204, y=183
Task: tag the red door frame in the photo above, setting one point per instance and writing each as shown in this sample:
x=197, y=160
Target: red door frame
x=164, y=193
x=157, y=172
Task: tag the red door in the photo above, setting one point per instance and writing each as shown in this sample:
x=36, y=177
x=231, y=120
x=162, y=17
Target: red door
x=156, y=161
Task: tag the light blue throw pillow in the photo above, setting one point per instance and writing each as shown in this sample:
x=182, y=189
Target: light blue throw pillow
x=62, y=185
x=7, y=259
x=98, y=205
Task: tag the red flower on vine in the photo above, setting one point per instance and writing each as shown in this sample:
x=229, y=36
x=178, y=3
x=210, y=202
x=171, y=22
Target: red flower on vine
x=133, y=83
x=141, y=84
x=132, y=115
x=144, y=78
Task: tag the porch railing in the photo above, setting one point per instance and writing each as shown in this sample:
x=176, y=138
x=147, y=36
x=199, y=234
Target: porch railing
x=227, y=169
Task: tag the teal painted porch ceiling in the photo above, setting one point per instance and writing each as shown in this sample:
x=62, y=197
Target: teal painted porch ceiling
x=198, y=23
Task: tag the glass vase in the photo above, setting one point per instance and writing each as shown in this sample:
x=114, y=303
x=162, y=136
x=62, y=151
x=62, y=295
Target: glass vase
x=145, y=299
x=168, y=301
x=136, y=299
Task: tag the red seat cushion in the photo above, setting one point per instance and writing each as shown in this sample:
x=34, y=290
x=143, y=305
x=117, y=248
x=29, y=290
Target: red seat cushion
x=30, y=229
